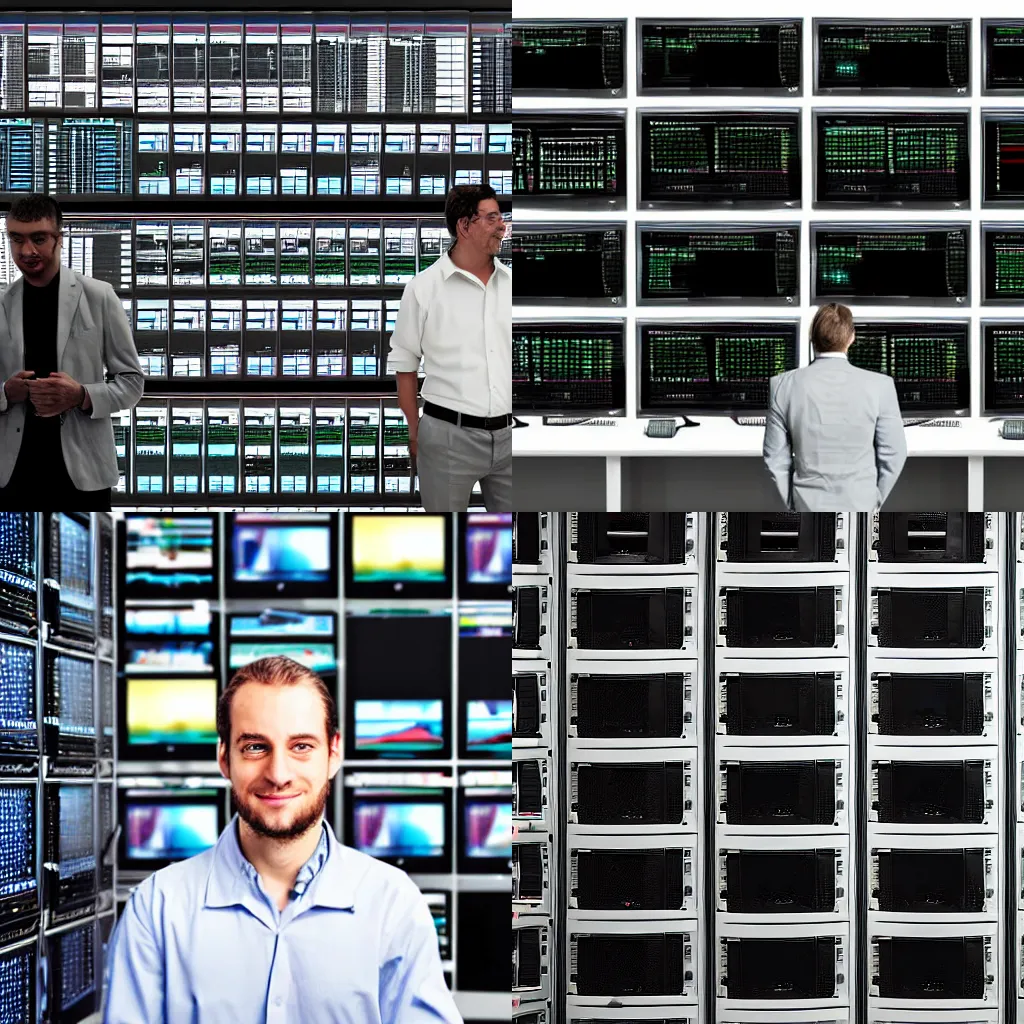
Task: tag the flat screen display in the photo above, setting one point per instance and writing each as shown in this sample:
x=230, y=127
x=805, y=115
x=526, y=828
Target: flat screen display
x=489, y=728
x=171, y=711
x=399, y=728
x=399, y=829
x=314, y=656
x=169, y=555
x=161, y=831
x=277, y=554
x=486, y=550
x=397, y=555
x=488, y=830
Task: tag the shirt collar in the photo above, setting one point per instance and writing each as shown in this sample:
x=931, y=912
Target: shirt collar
x=448, y=268
x=830, y=355
x=324, y=876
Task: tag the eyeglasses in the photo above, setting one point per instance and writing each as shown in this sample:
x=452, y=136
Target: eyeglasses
x=491, y=218
x=39, y=239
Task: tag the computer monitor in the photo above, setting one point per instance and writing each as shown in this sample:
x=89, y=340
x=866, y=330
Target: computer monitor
x=19, y=861
x=909, y=158
x=581, y=57
x=485, y=555
x=73, y=986
x=18, y=980
x=69, y=726
x=720, y=264
x=576, y=367
x=282, y=554
x=401, y=819
x=19, y=728
x=159, y=655
x=584, y=263
x=485, y=704
x=485, y=825
x=384, y=699
x=1002, y=263
x=169, y=556
x=398, y=556
x=69, y=847
x=890, y=263
x=480, y=965
x=900, y=56
x=191, y=620
x=1002, y=58
x=928, y=360
x=70, y=605
x=712, y=55
x=168, y=718
x=321, y=658
x=712, y=366
x=283, y=622
x=18, y=571
x=440, y=903
x=570, y=159
x=1002, y=344
x=161, y=825
x=750, y=158
x=1002, y=177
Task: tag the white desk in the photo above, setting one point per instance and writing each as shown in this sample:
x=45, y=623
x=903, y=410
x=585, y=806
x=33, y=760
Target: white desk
x=720, y=437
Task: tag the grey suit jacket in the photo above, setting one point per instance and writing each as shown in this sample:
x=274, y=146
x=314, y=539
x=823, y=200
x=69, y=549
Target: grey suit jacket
x=834, y=439
x=96, y=348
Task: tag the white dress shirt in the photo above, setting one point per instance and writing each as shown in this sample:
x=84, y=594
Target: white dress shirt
x=462, y=330
x=833, y=355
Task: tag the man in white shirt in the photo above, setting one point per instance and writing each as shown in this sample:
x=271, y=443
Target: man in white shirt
x=457, y=317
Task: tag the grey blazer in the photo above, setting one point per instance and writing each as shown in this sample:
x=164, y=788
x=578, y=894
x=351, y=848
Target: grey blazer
x=95, y=346
x=834, y=439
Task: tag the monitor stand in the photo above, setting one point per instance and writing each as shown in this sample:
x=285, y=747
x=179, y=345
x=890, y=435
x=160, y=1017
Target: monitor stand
x=517, y=422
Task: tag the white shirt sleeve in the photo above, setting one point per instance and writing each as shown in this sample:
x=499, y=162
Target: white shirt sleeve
x=407, y=338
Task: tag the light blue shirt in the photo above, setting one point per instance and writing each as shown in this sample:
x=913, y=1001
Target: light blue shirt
x=201, y=942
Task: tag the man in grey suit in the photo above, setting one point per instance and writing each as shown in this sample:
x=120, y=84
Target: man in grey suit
x=834, y=439
x=68, y=363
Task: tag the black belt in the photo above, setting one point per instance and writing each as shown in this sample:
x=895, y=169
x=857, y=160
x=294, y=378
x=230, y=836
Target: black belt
x=461, y=419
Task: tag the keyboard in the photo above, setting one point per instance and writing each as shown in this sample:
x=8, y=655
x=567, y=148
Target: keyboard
x=576, y=421
x=932, y=423
x=751, y=421
x=1013, y=430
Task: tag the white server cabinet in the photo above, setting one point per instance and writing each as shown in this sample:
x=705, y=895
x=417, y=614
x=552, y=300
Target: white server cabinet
x=831, y=1015
x=933, y=542
x=531, y=543
x=632, y=543
x=938, y=615
x=626, y=792
x=532, y=873
x=635, y=963
x=931, y=703
x=578, y=1012
x=909, y=875
x=617, y=878
x=531, y=790
x=531, y=1012
x=933, y=966
x=531, y=617
x=799, y=965
x=531, y=958
x=635, y=705
x=533, y=691
x=921, y=1016
x=782, y=791
x=781, y=542
x=649, y=618
x=782, y=702
x=795, y=615
x=783, y=879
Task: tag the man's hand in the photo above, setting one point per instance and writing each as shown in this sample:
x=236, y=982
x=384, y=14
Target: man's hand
x=16, y=388
x=55, y=394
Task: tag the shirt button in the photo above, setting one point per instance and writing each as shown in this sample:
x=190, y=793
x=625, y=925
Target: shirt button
x=277, y=1001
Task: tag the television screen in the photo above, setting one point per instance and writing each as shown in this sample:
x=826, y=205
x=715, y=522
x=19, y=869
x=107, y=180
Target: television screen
x=486, y=567
x=273, y=554
x=399, y=728
x=318, y=657
x=19, y=726
x=403, y=555
x=169, y=555
x=164, y=831
x=440, y=910
x=71, y=543
x=18, y=983
x=169, y=656
x=489, y=728
x=171, y=710
x=18, y=886
x=398, y=830
x=488, y=829
x=189, y=620
x=282, y=622
x=18, y=569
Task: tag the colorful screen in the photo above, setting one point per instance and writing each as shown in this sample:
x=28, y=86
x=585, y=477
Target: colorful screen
x=393, y=728
x=399, y=830
x=489, y=727
x=168, y=551
x=279, y=622
x=280, y=553
x=400, y=549
x=194, y=620
x=169, y=656
x=489, y=829
x=488, y=551
x=318, y=657
x=162, y=831
x=171, y=710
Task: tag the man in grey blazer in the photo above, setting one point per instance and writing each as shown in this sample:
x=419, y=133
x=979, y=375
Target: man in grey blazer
x=834, y=438
x=68, y=363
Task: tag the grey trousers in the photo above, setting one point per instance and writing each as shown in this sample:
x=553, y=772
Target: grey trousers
x=451, y=459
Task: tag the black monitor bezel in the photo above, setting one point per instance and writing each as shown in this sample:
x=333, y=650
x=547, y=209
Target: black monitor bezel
x=987, y=408
x=179, y=591
x=526, y=90
x=356, y=590
x=989, y=228
x=477, y=591
x=986, y=89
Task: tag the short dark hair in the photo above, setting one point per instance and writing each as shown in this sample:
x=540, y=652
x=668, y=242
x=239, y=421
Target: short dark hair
x=36, y=207
x=462, y=202
x=274, y=671
x=832, y=327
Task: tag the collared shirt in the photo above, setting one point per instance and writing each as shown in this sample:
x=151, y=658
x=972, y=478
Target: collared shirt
x=830, y=355
x=462, y=330
x=201, y=942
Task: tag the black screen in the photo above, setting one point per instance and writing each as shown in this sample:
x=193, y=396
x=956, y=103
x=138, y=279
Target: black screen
x=929, y=792
x=725, y=263
x=1003, y=342
x=931, y=881
x=699, y=367
x=629, y=619
x=899, y=264
x=573, y=57
x=781, y=793
x=584, y=262
x=1002, y=259
x=630, y=880
x=569, y=367
x=1003, y=180
x=719, y=55
x=637, y=965
x=525, y=538
x=1004, y=56
x=929, y=362
x=893, y=55
x=480, y=964
x=720, y=156
x=919, y=157
x=912, y=968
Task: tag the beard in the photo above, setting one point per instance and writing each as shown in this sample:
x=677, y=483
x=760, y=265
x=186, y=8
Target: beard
x=306, y=816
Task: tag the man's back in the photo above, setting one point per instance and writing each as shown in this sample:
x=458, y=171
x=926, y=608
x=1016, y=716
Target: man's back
x=834, y=435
